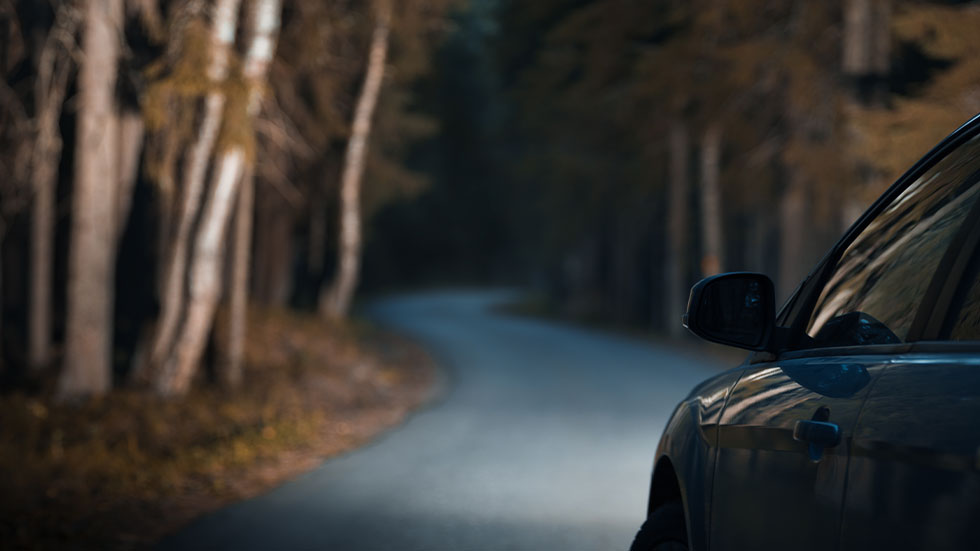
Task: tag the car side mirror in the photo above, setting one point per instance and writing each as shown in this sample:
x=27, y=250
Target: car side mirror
x=736, y=309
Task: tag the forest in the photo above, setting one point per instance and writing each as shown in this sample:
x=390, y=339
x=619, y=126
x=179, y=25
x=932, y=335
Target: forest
x=199, y=151
x=635, y=147
x=182, y=178
x=604, y=153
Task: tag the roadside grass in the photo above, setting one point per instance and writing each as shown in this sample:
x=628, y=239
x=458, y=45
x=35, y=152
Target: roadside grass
x=122, y=471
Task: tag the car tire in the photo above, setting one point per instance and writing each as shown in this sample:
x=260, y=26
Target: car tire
x=664, y=530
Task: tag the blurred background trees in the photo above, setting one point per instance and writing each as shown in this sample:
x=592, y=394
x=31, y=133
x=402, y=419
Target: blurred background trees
x=167, y=162
x=634, y=147
x=188, y=126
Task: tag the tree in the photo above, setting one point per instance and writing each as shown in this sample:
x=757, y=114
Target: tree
x=219, y=42
x=937, y=99
x=88, y=332
x=601, y=88
x=50, y=86
x=231, y=371
x=15, y=141
x=677, y=221
x=336, y=300
x=204, y=269
x=866, y=47
x=712, y=254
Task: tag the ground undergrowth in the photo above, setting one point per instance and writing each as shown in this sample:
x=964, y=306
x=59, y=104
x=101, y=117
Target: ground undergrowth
x=122, y=471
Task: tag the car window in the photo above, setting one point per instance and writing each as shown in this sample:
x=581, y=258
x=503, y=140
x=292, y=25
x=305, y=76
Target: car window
x=879, y=282
x=967, y=326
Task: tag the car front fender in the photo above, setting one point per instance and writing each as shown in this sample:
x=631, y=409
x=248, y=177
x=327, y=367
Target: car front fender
x=684, y=463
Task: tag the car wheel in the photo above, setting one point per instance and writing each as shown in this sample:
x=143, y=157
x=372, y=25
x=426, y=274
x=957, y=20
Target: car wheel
x=664, y=530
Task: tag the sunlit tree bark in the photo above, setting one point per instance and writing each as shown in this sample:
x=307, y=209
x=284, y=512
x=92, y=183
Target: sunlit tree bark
x=866, y=46
x=88, y=336
x=231, y=371
x=223, y=28
x=205, y=277
x=335, y=302
x=130, y=150
x=208, y=254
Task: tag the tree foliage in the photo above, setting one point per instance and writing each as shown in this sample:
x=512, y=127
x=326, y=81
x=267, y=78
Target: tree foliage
x=593, y=87
x=210, y=128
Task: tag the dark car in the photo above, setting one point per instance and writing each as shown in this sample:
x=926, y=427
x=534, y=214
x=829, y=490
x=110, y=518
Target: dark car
x=855, y=424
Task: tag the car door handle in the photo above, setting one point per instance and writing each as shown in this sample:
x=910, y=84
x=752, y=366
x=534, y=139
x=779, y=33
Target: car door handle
x=817, y=433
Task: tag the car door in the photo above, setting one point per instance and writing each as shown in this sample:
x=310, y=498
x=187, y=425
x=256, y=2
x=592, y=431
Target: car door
x=913, y=480
x=914, y=474
x=774, y=489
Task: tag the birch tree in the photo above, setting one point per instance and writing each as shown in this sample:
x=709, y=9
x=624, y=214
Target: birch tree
x=335, y=301
x=91, y=262
x=224, y=25
x=231, y=371
x=204, y=271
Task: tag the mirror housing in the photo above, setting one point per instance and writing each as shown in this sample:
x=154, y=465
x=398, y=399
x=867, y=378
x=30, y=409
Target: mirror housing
x=736, y=309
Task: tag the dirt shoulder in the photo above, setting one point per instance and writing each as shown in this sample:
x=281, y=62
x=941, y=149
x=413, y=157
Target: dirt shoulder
x=123, y=471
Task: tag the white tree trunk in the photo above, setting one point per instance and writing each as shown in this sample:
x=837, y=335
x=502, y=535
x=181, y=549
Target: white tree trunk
x=223, y=29
x=205, y=266
x=91, y=262
x=335, y=302
x=675, y=299
x=205, y=278
x=856, y=49
x=166, y=188
x=130, y=150
x=231, y=372
x=866, y=45
x=712, y=244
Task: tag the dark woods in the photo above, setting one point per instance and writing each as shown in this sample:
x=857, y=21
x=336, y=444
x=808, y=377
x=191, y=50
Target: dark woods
x=611, y=153
x=167, y=161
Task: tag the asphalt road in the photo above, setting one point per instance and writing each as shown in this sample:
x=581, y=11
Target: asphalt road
x=542, y=439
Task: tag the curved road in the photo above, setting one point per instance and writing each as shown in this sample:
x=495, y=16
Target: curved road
x=543, y=439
